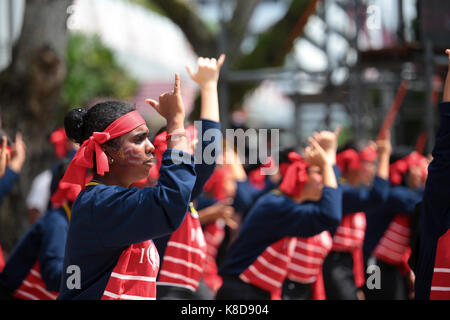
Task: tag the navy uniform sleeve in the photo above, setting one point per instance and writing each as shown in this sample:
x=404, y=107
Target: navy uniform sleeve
x=51, y=252
x=361, y=199
x=7, y=182
x=122, y=216
x=308, y=219
x=210, y=142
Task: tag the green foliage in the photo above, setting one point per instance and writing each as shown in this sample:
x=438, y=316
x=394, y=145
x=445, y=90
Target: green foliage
x=92, y=72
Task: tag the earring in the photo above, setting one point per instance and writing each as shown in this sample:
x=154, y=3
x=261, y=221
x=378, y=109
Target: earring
x=111, y=160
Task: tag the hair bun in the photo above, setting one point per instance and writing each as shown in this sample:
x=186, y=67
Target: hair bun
x=74, y=124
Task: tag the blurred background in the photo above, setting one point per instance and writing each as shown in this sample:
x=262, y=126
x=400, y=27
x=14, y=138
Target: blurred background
x=293, y=65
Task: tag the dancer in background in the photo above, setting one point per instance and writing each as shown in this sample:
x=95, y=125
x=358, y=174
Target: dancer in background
x=343, y=268
x=257, y=261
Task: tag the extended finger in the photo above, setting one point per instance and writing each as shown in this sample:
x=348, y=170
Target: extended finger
x=176, y=88
x=221, y=60
x=189, y=71
x=338, y=130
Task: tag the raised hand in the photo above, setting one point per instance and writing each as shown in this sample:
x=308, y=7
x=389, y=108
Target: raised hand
x=4, y=156
x=18, y=154
x=208, y=71
x=170, y=105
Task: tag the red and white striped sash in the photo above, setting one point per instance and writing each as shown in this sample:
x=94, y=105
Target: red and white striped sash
x=33, y=288
x=395, y=242
x=349, y=235
x=214, y=235
x=184, y=258
x=308, y=257
x=269, y=270
x=440, y=283
x=134, y=276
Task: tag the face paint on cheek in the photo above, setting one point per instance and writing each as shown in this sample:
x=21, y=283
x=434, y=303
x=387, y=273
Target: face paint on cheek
x=129, y=157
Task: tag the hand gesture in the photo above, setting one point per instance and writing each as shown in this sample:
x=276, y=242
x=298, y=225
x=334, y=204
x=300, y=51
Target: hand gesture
x=18, y=154
x=170, y=105
x=4, y=156
x=383, y=146
x=316, y=155
x=208, y=71
x=328, y=140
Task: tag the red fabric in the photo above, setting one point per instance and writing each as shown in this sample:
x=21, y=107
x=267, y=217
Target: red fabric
x=256, y=178
x=295, y=176
x=358, y=267
x=269, y=270
x=349, y=235
x=400, y=167
x=134, y=276
x=214, y=235
x=59, y=140
x=440, y=283
x=33, y=288
x=368, y=154
x=185, y=254
x=83, y=159
x=348, y=160
x=215, y=183
x=318, y=288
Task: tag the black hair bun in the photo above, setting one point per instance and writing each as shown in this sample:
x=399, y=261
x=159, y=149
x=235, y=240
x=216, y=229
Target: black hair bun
x=74, y=124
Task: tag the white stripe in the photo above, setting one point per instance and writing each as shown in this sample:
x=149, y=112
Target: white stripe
x=346, y=241
x=125, y=296
x=26, y=294
x=130, y=277
x=178, y=276
x=303, y=257
x=35, y=273
x=169, y=284
x=298, y=268
x=446, y=270
x=393, y=235
x=381, y=250
x=277, y=254
x=185, y=247
x=440, y=288
x=295, y=278
x=399, y=228
x=184, y=262
x=311, y=247
x=270, y=266
x=263, y=277
x=350, y=232
x=40, y=288
x=391, y=245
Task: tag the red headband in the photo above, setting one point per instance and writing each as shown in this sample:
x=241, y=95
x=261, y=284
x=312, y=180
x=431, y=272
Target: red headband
x=350, y=159
x=294, y=176
x=59, y=140
x=400, y=167
x=256, y=178
x=83, y=159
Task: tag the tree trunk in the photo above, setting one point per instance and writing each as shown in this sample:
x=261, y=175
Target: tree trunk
x=29, y=99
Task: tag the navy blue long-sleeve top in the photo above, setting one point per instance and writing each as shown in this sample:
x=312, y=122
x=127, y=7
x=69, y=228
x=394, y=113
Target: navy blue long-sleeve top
x=106, y=220
x=434, y=219
x=44, y=242
x=203, y=170
x=7, y=182
x=400, y=200
x=274, y=217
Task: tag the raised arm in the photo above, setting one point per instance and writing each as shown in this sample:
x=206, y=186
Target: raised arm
x=207, y=77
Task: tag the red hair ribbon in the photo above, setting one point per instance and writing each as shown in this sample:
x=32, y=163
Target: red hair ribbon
x=295, y=175
x=400, y=167
x=350, y=159
x=83, y=159
x=215, y=183
x=256, y=178
x=59, y=140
